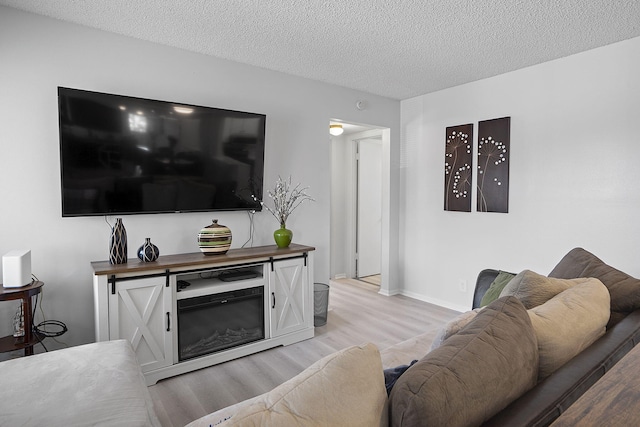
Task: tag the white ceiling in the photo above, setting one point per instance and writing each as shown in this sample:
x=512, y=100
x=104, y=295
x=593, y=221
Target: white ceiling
x=394, y=48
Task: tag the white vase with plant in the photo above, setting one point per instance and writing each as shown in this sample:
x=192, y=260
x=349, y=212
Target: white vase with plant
x=286, y=198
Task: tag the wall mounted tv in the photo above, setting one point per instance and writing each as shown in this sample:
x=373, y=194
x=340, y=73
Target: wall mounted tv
x=124, y=155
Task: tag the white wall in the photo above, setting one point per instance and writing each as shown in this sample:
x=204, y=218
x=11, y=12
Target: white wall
x=38, y=54
x=574, y=175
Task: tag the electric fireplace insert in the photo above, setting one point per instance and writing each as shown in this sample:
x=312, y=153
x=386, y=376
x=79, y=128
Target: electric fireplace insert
x=212, y=323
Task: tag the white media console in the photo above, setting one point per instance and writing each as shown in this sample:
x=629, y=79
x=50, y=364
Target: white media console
x=189, y=311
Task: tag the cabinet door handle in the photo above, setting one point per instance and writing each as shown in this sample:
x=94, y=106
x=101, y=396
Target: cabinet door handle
x=168, y=322
x=112, y=280
x=273, y=300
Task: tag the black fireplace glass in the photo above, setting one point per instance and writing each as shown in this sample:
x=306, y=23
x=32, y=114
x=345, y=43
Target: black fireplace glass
x=212, y=323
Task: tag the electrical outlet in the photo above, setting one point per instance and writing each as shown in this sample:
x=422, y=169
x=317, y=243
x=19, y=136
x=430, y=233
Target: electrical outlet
x=462, y=285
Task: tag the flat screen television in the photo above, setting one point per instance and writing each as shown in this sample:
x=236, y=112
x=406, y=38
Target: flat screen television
x=124, y=155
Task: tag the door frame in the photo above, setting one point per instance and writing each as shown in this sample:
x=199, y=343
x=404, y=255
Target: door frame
x=357, y=200
x=388, y=267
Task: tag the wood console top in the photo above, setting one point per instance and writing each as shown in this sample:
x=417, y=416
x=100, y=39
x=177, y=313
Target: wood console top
x=612, y=401
x=233, y=256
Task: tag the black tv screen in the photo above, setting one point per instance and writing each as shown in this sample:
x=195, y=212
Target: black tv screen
x=126, y=155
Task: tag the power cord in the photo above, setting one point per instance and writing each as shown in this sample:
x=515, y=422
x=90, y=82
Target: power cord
x=251, y=213
x=40, y=330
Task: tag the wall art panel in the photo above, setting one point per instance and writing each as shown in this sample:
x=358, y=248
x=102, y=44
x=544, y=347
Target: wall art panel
x=458, y=162
x=493, y=165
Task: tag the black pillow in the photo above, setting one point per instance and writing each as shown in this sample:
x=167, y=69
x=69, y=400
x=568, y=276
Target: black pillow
x=391, y=375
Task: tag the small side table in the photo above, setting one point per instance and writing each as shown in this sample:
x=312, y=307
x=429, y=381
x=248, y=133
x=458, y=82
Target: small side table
x=11, y=343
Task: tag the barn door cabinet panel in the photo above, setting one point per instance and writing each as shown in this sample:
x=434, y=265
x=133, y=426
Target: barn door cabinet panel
x=141, y=312
x=290, y=295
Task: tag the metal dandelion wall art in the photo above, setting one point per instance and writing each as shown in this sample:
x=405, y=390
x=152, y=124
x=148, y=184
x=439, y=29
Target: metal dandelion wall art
x=493, y=165
x=457, y=168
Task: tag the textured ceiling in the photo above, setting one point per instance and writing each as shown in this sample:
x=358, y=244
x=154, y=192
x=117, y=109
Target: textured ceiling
x=398, y=49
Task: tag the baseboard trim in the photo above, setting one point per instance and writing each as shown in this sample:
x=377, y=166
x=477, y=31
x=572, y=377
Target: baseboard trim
x=435, y=301
x=390, y=292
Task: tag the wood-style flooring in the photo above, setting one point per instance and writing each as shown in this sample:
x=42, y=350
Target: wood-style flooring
x=375, y=279
x=357, y=314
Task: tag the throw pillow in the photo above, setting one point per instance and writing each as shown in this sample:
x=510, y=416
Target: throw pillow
x=345, y=388
x=473, y=375
x=568, y=323
x=624, y=289
x=391, y=375
x=453, y=326
x=534, y=289
x=498, y=284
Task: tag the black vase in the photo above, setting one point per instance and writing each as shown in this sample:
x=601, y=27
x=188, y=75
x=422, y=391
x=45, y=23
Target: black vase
x=148, y=251
x=118, y=243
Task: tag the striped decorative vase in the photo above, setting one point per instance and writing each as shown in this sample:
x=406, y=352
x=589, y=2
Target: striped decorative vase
x=214, y=239
x=118, y=243
x=148, y=252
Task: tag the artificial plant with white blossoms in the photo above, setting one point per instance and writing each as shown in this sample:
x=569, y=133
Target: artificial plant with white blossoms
x=286, y=199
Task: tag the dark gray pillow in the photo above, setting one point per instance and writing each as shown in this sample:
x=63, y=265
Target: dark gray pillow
x=624, y=289
x=474, y=374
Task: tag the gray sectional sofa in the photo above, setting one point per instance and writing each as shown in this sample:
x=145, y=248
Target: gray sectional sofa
x=552, y=396
x=469, y=397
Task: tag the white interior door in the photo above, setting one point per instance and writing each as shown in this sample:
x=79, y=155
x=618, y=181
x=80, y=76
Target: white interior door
x=369, y=228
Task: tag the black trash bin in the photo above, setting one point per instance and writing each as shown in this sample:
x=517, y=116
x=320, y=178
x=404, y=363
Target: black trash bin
x=320, y=303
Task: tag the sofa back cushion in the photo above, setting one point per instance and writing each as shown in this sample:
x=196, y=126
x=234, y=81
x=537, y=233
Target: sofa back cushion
x=624, y=289
x=473, y=374
x=345, y=388
x=534, y=289
x=568, y=323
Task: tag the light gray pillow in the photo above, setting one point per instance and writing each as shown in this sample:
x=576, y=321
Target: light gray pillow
x=345, y=389
x=569, y=322
x=534, y=289
x=453, y=327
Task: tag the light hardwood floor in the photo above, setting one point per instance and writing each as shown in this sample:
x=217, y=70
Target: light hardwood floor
x=374, y=279
x=357, y=314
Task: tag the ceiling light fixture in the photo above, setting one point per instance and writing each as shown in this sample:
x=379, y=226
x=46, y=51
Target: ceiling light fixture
x=183, y=110
x=335, y=130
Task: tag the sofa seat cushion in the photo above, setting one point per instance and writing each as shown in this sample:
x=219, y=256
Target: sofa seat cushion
x=97, y=384
x=624, y=289
x=568, y=323
x=534, y=289
x=345, y=388
x=473, y=374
